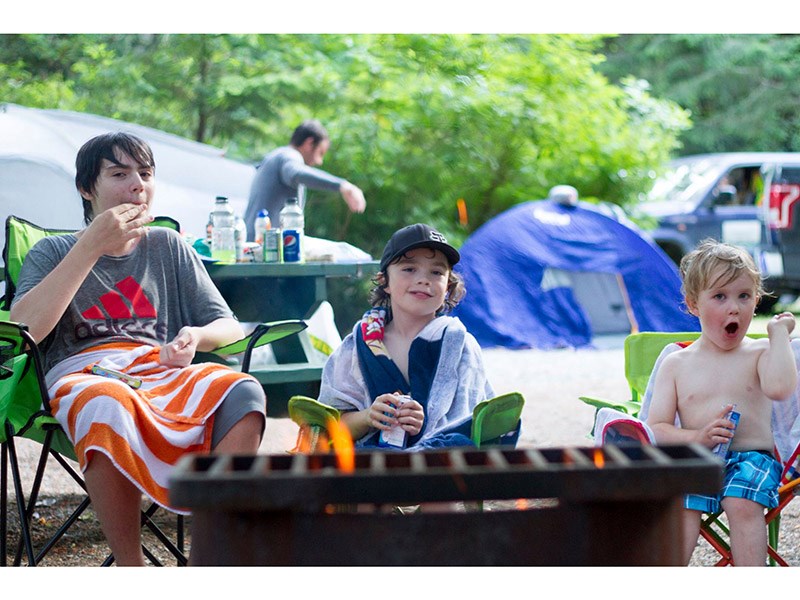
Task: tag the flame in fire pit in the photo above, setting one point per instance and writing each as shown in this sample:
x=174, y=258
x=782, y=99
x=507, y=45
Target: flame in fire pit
x=342, y=445
x=599, y=459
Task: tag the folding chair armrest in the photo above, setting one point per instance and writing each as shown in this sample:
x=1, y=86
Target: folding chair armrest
x=26, y=344
x=263, y=334
x=307, y=411
x=629, y=407
x=496, y=417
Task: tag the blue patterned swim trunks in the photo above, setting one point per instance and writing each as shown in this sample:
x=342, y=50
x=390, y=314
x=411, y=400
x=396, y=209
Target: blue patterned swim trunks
x=753, y=475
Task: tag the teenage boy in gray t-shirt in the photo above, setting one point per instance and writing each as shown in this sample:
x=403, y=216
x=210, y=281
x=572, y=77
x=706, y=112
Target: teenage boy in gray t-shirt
x=121, y=294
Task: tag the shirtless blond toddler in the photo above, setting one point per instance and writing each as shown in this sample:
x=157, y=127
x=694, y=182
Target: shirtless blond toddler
x=701, y=383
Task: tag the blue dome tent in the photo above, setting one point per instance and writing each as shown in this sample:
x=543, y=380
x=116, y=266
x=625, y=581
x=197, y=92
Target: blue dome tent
x=547, y=274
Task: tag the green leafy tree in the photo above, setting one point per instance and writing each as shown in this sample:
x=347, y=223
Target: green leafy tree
x=495, y=120
x=741, y=90
x=417, y=121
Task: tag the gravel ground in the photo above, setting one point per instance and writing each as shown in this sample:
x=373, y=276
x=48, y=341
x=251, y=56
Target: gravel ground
x=553, y=417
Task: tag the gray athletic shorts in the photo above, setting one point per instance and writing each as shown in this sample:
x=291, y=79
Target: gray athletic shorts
x=246, y=397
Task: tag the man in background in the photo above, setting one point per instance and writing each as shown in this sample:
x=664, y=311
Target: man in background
x=287, y=171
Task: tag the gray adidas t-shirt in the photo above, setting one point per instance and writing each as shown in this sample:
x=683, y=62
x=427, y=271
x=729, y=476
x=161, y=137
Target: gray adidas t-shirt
x=144, y=297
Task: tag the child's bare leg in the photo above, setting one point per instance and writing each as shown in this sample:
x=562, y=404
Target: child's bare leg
x=748, y=531
x=691, y=530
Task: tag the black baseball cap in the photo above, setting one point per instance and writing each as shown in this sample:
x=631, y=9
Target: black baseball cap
x=418, y=235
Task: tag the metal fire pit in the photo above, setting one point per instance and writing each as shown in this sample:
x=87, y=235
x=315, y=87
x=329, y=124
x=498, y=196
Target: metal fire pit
x=611, y=506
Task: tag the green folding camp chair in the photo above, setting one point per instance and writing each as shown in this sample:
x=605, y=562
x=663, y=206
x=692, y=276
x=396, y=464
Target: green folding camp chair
x=25, y=410
x=642, y=353
x=496, y=421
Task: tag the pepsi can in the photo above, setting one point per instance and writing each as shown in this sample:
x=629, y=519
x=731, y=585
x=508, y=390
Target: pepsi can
x=292, y=252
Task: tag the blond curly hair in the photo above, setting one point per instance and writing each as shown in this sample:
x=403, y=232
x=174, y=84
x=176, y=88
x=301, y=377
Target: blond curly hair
x=715, y=263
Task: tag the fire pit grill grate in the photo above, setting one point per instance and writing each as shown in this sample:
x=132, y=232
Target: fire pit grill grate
x=616, y=505
x=309, y=482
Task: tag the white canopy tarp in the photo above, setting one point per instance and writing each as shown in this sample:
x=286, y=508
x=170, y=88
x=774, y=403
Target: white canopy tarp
x=37, y=169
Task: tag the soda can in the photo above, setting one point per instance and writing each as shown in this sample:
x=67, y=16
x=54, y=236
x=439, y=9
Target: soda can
x=273, y=246
x=396, y=437
x=721, y=450
x=291, y=246
x=252, y=252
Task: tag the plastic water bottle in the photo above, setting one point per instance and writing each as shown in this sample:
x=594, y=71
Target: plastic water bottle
x=223, y=243
x=262, y=224
x=292, y=226
x=239, y=238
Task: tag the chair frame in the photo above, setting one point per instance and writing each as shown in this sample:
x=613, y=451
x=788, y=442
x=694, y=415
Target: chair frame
x=25, y=508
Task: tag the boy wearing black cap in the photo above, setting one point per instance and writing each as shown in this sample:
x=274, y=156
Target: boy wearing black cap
x=406, y=346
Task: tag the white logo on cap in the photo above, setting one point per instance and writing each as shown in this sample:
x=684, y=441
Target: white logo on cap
x=438, y=237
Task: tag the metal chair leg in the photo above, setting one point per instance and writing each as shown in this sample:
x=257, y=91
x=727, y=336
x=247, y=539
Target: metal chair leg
x=23, y=510
x=3, y=504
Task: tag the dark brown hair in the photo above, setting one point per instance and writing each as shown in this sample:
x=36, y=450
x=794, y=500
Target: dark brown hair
x=90, y=160
x=456, y=289
x=309, y=129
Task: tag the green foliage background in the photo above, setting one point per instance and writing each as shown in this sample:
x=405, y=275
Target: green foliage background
x=416, y=121
x=741, y=90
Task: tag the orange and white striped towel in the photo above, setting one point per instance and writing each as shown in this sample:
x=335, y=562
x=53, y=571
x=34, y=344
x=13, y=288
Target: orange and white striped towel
x=143, y=431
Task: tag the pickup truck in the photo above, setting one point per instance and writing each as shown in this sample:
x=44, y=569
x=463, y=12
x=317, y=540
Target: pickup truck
x=743, y=198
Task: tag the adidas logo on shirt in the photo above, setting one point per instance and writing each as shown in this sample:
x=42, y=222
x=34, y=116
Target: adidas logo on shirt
x=114, y=307
x=125, y=311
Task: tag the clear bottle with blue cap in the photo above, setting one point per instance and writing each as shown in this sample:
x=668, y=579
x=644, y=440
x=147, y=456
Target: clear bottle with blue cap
x=263, y=223
x=292, y=229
